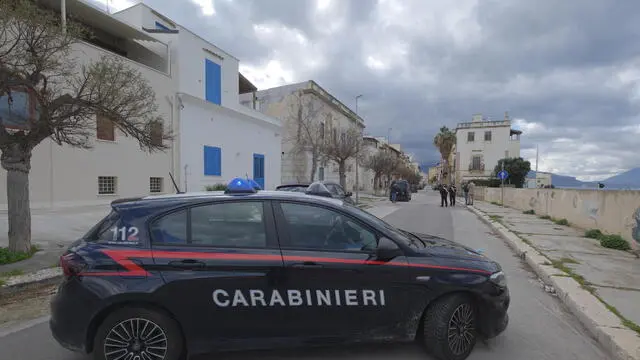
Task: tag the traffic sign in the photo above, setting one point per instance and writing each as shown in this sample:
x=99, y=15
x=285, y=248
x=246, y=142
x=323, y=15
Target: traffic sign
x=503, y=174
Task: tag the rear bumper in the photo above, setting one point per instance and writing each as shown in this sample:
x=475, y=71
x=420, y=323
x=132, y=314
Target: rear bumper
x=70, y=316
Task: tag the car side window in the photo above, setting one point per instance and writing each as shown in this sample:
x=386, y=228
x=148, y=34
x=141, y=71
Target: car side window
x=229, y=224
x=335, y=189
x=317, y=228
x=170, y=229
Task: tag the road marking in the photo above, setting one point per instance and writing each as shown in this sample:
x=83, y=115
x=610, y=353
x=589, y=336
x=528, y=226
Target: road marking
x=12, y=329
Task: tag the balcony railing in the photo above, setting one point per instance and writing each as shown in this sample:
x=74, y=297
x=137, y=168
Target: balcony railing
x=481, y=124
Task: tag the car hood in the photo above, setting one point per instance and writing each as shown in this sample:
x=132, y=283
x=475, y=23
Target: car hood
x=442, y=247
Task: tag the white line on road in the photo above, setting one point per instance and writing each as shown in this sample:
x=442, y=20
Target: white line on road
x=12, y=329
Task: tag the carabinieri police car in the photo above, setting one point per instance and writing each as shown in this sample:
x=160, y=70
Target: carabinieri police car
x=167, y=277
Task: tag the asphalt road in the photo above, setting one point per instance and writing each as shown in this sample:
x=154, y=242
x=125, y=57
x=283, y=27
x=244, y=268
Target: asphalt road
x=540, y=328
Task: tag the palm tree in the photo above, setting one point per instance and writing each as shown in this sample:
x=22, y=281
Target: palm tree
x=444, y=141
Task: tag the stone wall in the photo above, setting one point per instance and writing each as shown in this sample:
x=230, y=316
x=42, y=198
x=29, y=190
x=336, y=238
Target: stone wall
x=611, y=211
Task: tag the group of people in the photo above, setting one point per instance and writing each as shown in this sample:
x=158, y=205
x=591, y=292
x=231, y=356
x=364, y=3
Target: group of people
x=448, y=193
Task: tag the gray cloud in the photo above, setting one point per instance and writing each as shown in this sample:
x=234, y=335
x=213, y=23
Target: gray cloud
x=567, y=69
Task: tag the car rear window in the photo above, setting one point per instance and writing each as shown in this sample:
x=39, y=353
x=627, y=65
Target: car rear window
x=114, y=230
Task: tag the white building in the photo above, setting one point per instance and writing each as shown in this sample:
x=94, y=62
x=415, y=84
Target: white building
x=220, y=139
x=316, y=106
x=481, y=143
x=63, y=176
x=197, y=87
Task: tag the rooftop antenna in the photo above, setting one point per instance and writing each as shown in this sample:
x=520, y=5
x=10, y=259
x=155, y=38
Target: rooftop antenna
x=174, y=184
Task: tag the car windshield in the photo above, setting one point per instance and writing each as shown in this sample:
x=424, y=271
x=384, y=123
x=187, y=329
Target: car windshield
x=402, y=184
x=401, y=235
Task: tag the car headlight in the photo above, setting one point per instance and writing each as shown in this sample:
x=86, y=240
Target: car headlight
x=499, y=279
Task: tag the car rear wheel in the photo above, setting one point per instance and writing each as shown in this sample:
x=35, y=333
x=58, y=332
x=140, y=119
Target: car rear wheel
x=138, y=334
x=449, y=328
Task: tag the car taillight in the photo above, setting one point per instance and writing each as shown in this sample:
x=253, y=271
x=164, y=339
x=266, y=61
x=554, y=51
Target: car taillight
x=72, y=264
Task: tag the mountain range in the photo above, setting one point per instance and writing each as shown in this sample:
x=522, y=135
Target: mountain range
x=627, y=180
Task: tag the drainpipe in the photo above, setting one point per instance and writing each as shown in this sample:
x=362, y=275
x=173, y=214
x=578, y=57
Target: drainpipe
x=63, y=12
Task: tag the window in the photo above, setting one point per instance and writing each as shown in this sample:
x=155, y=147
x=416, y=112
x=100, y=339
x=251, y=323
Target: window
x=506, y=154
x=155, y=184
x=335, y=189
x=212, y=161
x=231, y=224
x=170, y=229
x=321, y=173
x=487, y=136
x=107, y=185
x=105, y=129
x=476, y=162
x=157, y=132
x=471, y=136
x=316, y=228
x=321, y=130
x=213, y=82
x=160, y=26
x=335, y=135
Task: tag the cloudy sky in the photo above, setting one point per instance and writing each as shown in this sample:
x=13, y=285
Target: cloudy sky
x=566, y=71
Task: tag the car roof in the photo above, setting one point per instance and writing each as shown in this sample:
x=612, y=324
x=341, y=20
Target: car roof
x=205, y=196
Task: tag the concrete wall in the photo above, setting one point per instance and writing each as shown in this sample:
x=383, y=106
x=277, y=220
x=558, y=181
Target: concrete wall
x=614, y=212
x=238, y=136
x=63, y=176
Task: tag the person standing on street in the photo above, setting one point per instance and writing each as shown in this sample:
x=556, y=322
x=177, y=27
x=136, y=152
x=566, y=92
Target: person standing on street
x=452, y=194
x=394, y=189
x=443, y=196
x=465, y=191
x=472, y=189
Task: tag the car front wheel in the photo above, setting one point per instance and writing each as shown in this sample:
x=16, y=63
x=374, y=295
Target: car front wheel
x=449, y=328
x=138, y=334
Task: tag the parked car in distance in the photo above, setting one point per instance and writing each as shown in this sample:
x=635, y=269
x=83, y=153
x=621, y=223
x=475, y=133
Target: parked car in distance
x=336, y=190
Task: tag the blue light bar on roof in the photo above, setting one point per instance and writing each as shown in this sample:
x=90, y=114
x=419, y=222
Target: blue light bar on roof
x=240, y=186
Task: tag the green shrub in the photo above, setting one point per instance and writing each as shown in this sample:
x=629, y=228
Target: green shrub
x=614, y=242
x=529, y=212
x=8, y=257
x=564, y=222
x=496, y=203
x=545, y=217
x=216, y=187
x=593, y=234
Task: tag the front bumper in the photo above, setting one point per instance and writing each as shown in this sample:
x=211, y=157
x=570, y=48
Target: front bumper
x=494, y=318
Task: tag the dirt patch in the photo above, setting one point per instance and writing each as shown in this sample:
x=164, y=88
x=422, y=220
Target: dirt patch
x=26, y=305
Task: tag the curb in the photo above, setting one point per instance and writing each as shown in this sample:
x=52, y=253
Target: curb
x=31, y=281
x=622, y=343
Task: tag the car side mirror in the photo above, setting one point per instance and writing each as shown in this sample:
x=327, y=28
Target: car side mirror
x=348, y=194
x=387, y=250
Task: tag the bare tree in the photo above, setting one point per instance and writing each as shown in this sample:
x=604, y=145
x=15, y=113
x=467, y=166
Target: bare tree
x=392, y=165
x=378, y=163
x=344, y=145
x=36, y=59
x=304, y=114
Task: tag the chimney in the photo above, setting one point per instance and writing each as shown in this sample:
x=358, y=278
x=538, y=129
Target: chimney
x=506, y=116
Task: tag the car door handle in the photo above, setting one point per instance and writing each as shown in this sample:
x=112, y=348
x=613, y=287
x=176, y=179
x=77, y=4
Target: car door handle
x=307, y=264
x=187, y=263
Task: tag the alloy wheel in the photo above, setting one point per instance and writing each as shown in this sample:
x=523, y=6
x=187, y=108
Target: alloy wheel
x=136, y=339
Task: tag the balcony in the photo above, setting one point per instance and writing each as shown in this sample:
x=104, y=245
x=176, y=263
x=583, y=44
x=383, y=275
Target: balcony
x=115, y=36
x=483, y=124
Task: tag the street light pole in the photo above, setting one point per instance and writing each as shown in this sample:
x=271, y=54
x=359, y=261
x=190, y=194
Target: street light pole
x=357, y=154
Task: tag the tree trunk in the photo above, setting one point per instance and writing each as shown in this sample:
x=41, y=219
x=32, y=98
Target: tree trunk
x=342, y=173
x=314, y=166
x=16, y=159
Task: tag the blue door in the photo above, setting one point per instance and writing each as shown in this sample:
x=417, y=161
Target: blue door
x=258, y=169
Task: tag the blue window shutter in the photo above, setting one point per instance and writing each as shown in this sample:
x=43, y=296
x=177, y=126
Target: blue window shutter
x=159, y=26
x=213, y=82
x=212, y=161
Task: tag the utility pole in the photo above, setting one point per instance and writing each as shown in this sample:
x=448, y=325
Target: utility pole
x=357, y=154
x=502, y=187
x=63, y=11
x=537, y=158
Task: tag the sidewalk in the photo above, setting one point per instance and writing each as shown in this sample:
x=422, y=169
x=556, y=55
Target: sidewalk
x=52, y=231
x=600, y=286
